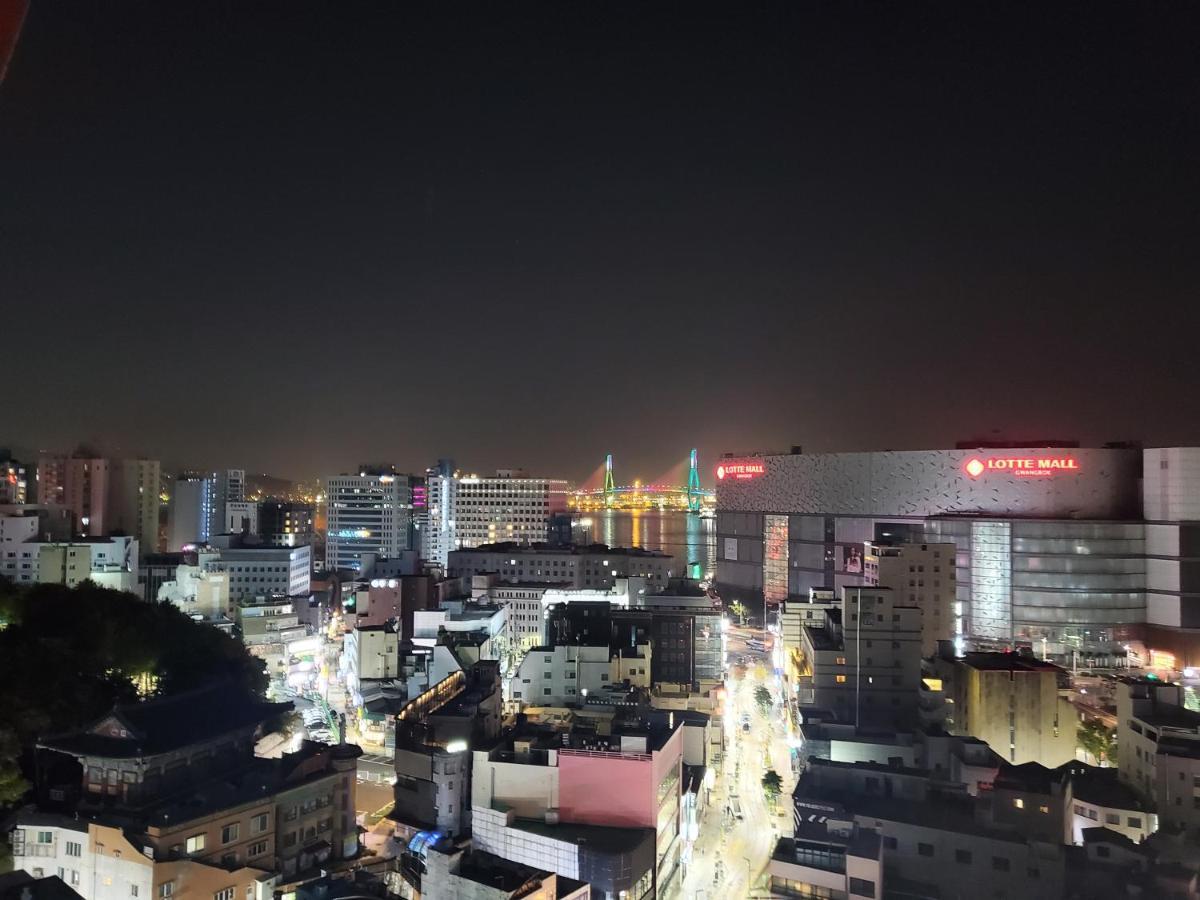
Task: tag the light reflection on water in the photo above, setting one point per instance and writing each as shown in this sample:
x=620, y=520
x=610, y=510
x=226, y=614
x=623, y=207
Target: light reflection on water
x=687, y=537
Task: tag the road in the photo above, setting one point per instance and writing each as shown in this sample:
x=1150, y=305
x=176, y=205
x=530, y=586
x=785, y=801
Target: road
x=730, y=856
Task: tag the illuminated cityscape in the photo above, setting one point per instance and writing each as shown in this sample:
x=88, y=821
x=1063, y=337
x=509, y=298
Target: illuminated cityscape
x=599, y=452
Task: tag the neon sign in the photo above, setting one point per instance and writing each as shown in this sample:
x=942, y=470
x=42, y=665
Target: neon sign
x=740, y=471
x=1022, y=466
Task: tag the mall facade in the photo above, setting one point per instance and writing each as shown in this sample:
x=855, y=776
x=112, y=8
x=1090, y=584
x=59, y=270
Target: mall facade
x=1062, y=548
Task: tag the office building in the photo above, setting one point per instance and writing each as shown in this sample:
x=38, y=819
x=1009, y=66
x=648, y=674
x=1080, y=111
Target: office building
x=593, y=566
x=1012, y=702
x=286, y=523
x=136, y=485
x=1051, y=540
x=1158, y=750
x=369, y=516
x=189, y=515
x=257, y=570
x=922, y=575
x=864, y=662
x=241, y=517
x=466, y=511
x=225, y=486
x=18, y=480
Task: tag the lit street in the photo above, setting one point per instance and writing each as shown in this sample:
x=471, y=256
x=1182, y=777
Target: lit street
x=730, y=856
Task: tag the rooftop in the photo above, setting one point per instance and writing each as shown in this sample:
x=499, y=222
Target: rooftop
x=1101, y=787
x=1007, y=662
x=166, y=723
x=517, y=550
x=605, y=840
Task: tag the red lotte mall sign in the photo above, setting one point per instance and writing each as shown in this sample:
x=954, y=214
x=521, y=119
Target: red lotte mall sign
x=740, y=470
x=1021, y=466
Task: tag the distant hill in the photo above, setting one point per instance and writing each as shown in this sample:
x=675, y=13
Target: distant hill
x=269, y=485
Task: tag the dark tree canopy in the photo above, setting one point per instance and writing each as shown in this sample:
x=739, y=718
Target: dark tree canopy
x=68, y=654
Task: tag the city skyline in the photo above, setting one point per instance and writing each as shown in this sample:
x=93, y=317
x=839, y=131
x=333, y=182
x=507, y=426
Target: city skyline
x=799, y=226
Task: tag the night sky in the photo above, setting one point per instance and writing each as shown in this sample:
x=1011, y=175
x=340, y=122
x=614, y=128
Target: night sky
x=297, y=236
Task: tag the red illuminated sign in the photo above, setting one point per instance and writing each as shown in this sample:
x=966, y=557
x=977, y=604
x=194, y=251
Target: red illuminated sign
x=1022, y=466
x=740, y=471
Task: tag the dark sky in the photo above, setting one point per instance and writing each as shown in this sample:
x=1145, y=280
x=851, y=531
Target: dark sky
x=293, y=236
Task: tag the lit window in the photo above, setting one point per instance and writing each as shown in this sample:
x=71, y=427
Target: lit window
x=841, y=679
x=1019, y=803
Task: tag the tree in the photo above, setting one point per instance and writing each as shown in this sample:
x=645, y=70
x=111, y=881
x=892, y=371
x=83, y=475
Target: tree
x=68, y=654
x=13, y=785
x=762, y=697
x=772, y=785
x=1098, y=740
x=738, y=608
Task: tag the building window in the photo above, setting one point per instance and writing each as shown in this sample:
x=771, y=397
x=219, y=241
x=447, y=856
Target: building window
x=229, y=833
x=841, y=679
x=925, y=849
x=258, y=824
x=133, y=891
x=166, y=889
x=862, y=887
x=226, y=894
x=1043, y=809
x=1000, y=863
x=195, y=843
x=74, y=848
x=889, y=843
x=1134, y=822
x=1019, y=803
x=962, y=856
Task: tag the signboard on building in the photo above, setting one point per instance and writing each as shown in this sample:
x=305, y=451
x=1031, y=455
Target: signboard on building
x=740, y=469
x=1022, y=466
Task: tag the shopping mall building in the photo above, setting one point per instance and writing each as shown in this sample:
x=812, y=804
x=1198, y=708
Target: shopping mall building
x=1065, y=548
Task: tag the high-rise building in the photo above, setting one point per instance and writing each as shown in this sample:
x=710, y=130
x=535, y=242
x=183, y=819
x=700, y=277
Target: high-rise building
x=864, y=663
x=1012, y=702
x=190, y=513
x=369, y=515
x=104, y=495
x=17, y=480
x=225, y=486
x=922, y=575
x=469, y=511
x=287, y=521
x=80, y=483
x=135, y=485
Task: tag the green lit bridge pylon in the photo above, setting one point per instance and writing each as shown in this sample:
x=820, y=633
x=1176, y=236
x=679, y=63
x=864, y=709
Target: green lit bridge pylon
x=610, y=488
x=694, y=490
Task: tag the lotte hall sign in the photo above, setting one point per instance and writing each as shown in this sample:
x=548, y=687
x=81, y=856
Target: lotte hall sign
x=1023, y=467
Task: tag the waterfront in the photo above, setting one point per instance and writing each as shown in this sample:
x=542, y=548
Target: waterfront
x=686, y=536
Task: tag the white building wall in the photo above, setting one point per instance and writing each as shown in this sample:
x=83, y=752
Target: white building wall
x=493, y=833
x=87, y=866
